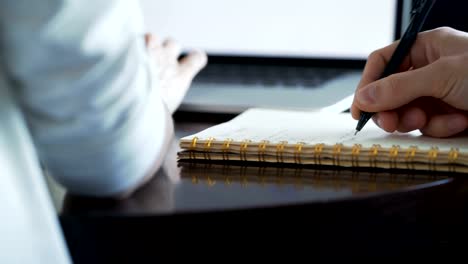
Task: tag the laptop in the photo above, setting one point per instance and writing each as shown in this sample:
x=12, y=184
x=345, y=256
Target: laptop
x=295, y=54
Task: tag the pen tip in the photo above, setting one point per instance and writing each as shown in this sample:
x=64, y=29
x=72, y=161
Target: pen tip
x=355, y=133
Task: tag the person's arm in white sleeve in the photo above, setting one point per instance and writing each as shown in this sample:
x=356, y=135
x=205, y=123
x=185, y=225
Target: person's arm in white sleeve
x=89, y=90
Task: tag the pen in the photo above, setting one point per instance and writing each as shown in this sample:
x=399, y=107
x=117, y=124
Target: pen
x=419, y=14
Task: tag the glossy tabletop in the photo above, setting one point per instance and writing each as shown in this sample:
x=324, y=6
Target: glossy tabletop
x=345, y=208
x=184, y=186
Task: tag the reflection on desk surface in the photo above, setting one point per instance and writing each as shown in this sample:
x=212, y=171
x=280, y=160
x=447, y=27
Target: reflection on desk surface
x=301, y=178
x=210, y=186
x=237, y=185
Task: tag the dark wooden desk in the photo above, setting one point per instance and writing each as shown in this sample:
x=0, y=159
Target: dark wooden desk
x=360, y=213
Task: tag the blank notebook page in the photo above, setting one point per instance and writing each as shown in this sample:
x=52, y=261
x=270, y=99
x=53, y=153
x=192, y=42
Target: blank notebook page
x=276, y=126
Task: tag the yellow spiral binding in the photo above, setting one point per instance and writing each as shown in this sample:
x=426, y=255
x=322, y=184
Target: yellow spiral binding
x=298, y=152
x=193, y=147
x=452, y=159
x=432, y=154
x=453, y=155
x=393, y=154
x=206, y=150
x=243, y=150
x=409, y=157
x=198, y=149
x=280, y=150
x=225, y=148
x=373, y=154
x=261, y=150
x=355, y=151
x=432, y=157
x=336, y=154
x=318, y=153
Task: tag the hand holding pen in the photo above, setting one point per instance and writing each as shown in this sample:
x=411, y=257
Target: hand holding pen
x=419, y=12
x=429, y=92
x=411, y=93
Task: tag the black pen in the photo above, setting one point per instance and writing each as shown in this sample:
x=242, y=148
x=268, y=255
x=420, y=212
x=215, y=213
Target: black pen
x=419, y=14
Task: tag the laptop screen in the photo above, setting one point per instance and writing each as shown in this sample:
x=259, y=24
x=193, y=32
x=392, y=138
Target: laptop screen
x=336, y=29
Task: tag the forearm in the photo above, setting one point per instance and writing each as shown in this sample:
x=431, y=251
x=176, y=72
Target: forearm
x=87, y=90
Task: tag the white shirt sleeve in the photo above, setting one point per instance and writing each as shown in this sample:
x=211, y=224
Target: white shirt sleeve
x=30, y=230
x=85, y=83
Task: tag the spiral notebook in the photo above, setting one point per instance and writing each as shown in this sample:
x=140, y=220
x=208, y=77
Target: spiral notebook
x=322, y=138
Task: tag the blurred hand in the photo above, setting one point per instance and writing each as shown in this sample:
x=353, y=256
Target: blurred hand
x=430, y=93
x=175, y=75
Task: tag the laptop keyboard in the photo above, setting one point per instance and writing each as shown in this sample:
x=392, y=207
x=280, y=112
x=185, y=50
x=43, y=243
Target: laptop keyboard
x=264, y=75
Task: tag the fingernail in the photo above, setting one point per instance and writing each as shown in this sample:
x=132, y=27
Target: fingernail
x=366, y=95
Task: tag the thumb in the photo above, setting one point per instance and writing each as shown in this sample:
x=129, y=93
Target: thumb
x=438, y=80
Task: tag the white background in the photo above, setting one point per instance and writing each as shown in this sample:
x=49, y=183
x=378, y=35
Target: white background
x=299, y=28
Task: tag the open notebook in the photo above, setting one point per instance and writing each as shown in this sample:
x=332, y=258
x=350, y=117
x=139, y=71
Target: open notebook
x=322, y=138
